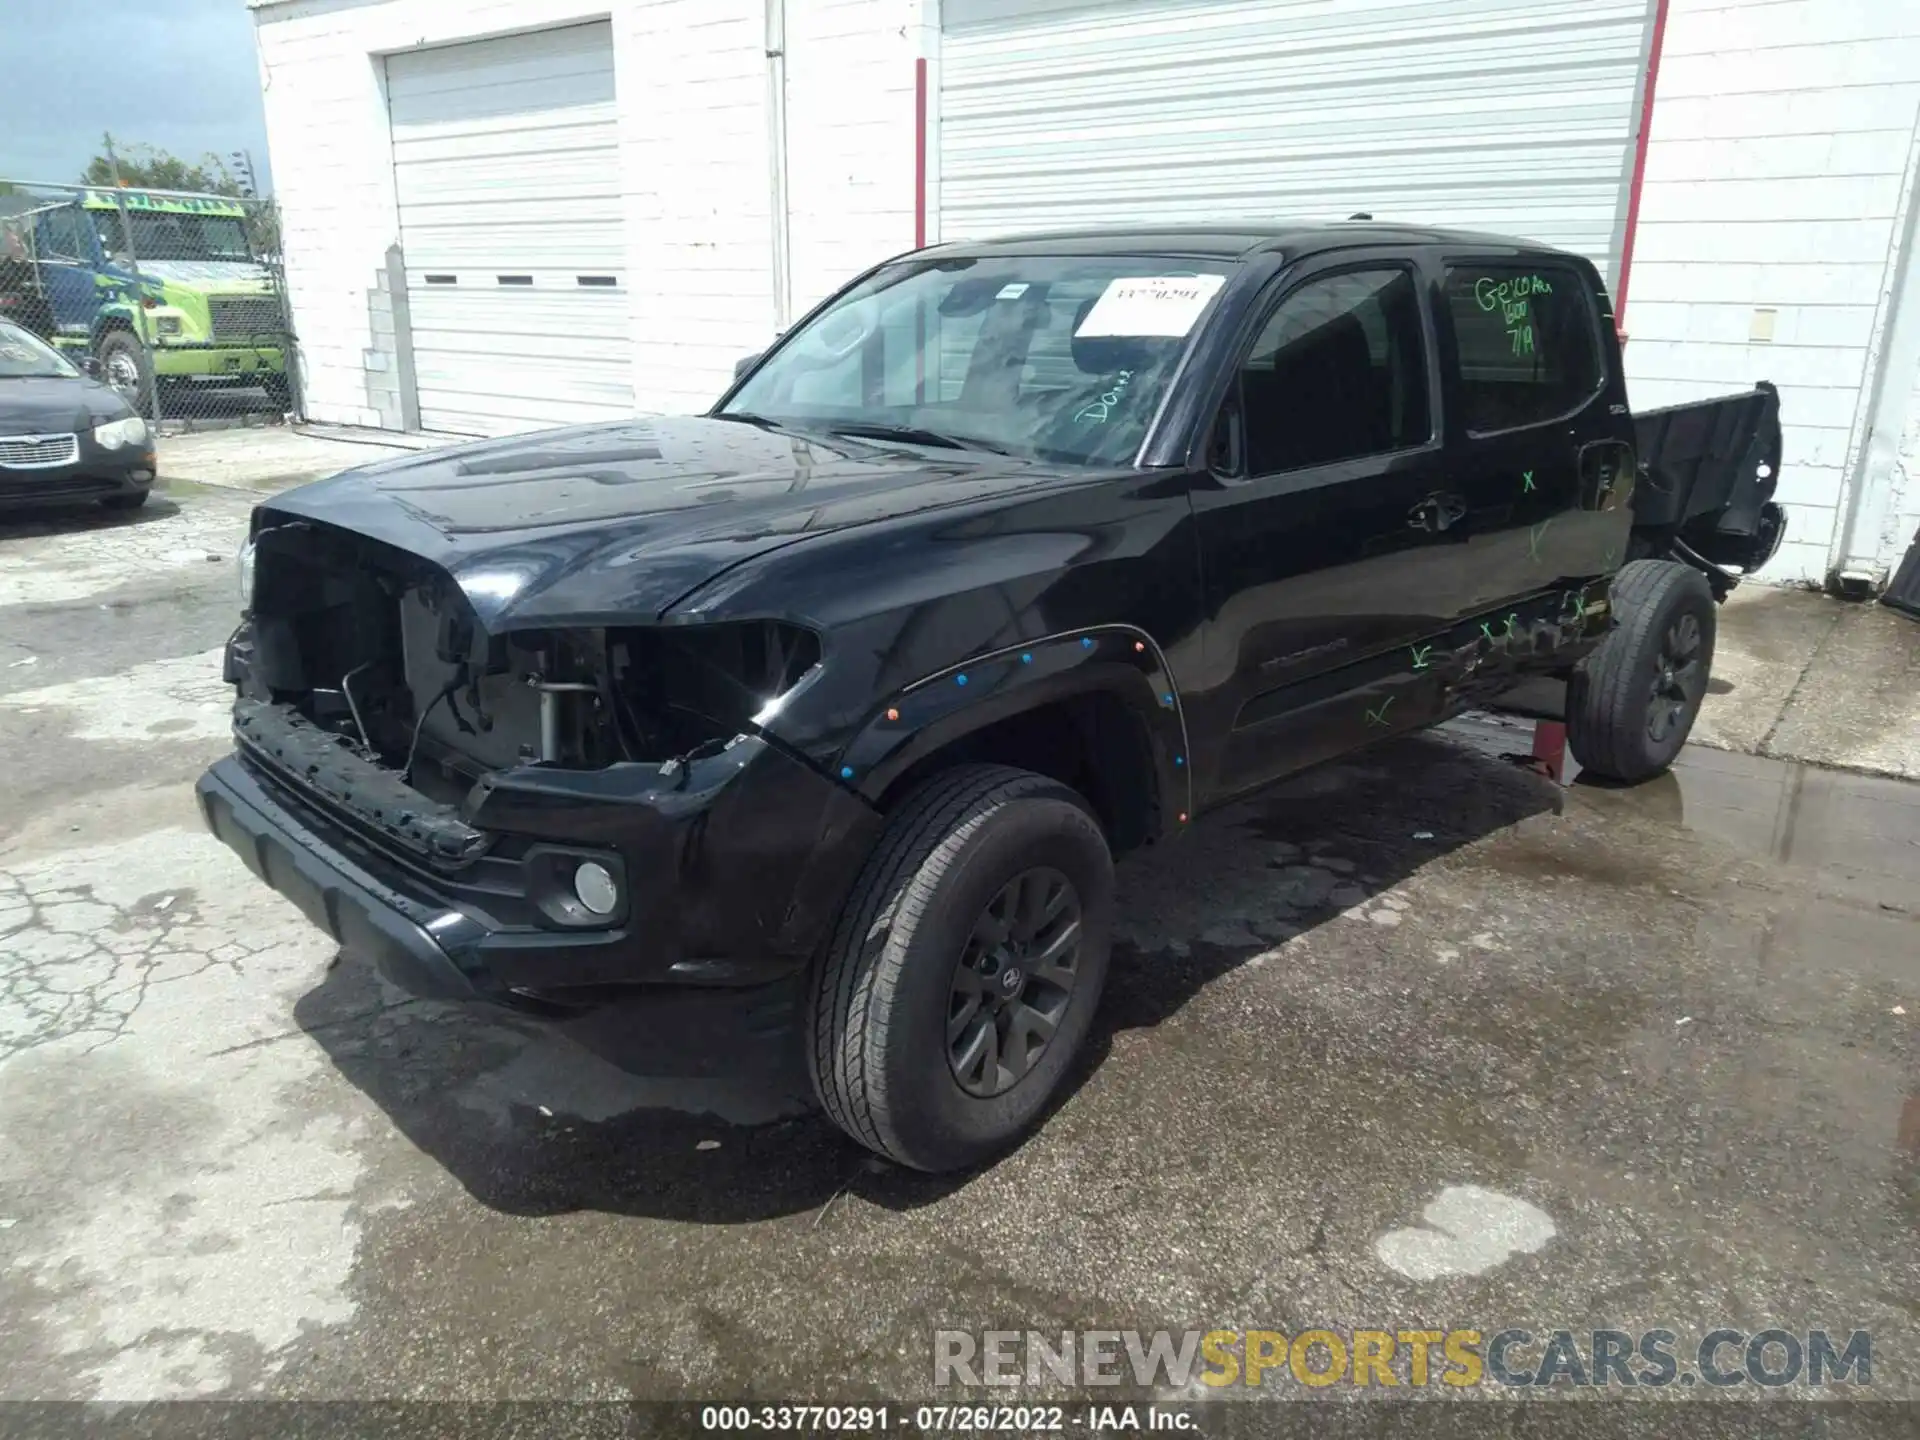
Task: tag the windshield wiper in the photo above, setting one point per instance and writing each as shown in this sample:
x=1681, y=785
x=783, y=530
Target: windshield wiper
x=747, y=417
x=914, y=435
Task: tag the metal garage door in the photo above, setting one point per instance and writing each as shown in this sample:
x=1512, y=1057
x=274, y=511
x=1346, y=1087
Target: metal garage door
x=506, y=169
x=1508, y=115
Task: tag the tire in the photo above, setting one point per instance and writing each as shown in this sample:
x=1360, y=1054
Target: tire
x=127, y=500
x=887, y=1009
x=128, y=368
x=1631, y=704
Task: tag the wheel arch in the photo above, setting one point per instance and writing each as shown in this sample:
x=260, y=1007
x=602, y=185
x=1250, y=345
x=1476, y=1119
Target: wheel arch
x=1097, y=709
x=108, y=321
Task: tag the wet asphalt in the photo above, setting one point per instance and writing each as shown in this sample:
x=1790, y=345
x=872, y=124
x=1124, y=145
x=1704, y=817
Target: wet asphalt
x=1657, y=1044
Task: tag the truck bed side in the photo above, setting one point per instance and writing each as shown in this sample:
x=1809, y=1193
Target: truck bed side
x=1707, y=477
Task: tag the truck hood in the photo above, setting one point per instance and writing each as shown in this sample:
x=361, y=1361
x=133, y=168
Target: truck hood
x=604, y=524
x=228, y=276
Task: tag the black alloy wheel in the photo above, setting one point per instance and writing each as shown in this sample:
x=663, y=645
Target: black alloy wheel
x=1678, y=682
x=1013, y=982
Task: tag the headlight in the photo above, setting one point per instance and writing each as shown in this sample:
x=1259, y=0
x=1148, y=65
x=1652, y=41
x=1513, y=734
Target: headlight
x=116, y=433
x=167, y=325
x=245, y=569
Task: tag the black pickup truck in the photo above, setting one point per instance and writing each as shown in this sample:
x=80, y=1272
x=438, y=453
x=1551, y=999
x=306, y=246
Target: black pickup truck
x=1008, y=558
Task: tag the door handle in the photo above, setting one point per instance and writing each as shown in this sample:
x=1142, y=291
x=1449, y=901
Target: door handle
x=1439, y=511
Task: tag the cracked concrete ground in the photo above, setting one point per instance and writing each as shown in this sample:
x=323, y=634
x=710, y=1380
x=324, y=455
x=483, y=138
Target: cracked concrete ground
x=1663, y=1037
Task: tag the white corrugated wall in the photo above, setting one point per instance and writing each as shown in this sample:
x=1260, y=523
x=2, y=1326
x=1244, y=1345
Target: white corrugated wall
x=507, y=180
x=1769, y=240
x=1507, y=115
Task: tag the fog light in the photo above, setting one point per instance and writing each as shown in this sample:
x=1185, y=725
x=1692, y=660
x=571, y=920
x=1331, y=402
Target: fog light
x=594, y=884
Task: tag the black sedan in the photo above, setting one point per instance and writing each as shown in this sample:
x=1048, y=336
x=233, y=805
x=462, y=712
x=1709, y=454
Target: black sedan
x=64, y=436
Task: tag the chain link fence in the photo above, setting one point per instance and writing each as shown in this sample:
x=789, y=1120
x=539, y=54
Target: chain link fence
x=175, y=299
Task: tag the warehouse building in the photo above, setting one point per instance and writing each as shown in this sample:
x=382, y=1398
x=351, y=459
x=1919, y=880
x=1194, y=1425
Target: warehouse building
x=513, y=213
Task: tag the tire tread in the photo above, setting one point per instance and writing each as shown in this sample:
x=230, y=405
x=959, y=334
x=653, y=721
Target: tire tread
x=1603, y=715
x=848, y=1003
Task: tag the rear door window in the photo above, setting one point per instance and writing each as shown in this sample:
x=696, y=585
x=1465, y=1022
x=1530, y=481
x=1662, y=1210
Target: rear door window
x=1528, y=348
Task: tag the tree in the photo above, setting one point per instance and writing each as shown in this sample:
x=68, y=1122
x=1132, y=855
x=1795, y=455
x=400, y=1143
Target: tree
x=149, y=167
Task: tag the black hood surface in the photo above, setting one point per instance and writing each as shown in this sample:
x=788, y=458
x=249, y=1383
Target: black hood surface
x=56, y=405
x=603, y=523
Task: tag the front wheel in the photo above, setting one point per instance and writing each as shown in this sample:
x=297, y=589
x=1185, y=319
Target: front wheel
x=126, y=366
x=1631, y=704
x=963, y=975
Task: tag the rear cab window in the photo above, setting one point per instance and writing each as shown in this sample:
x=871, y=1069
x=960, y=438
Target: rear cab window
x=1526, y=340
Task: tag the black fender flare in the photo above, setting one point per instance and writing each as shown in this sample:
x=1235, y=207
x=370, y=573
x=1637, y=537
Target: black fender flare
x=934, y=711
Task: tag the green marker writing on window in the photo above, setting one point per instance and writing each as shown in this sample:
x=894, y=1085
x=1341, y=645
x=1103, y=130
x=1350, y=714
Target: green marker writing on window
x=1379, y=717
x=1492, y=294
x=1420, y=653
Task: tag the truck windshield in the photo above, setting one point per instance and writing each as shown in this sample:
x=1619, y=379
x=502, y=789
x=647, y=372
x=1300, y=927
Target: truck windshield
x=1059, y=358
x=24, y=357
x=159, y=235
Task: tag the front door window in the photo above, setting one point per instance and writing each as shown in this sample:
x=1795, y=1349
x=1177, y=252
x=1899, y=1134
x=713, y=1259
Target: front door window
x=1338, y=373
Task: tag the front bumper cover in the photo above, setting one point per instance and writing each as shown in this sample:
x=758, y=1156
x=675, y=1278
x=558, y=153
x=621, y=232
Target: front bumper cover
x=735, y=865
x=406, y=937
x=96, y=475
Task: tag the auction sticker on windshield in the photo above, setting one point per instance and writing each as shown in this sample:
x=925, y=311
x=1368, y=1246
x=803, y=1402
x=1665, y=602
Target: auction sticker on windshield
x=1138, y=305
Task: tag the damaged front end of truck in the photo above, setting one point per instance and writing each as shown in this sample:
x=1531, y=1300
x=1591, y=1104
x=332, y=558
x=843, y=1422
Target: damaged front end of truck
x=537, y=814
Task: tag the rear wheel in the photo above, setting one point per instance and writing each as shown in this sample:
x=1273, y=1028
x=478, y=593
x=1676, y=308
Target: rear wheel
x=1631, y=704
x=965, y=970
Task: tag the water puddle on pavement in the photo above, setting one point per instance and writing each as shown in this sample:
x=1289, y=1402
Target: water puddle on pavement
x=1862, y=830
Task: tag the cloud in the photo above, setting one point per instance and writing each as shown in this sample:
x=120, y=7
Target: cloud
x=178, y=74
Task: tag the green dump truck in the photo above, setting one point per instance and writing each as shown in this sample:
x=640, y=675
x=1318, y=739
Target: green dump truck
x=159, y=286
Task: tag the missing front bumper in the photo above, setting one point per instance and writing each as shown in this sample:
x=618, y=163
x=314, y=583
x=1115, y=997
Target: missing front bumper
x=318, y=761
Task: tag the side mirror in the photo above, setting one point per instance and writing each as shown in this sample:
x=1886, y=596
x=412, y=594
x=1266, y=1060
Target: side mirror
x=90, y=367
x=746, y=363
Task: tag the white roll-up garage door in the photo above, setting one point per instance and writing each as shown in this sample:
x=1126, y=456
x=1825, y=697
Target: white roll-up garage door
x=1509, y=115
x=506, y=170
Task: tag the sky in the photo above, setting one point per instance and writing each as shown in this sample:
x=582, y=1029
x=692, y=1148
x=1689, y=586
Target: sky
x=177, y=74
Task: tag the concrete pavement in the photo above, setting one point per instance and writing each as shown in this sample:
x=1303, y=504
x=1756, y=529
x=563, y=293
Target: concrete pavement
x=1663, y=1036
x=1804, y=676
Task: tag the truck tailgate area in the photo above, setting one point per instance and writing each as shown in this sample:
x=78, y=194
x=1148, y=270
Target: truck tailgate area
x=1708, y=471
